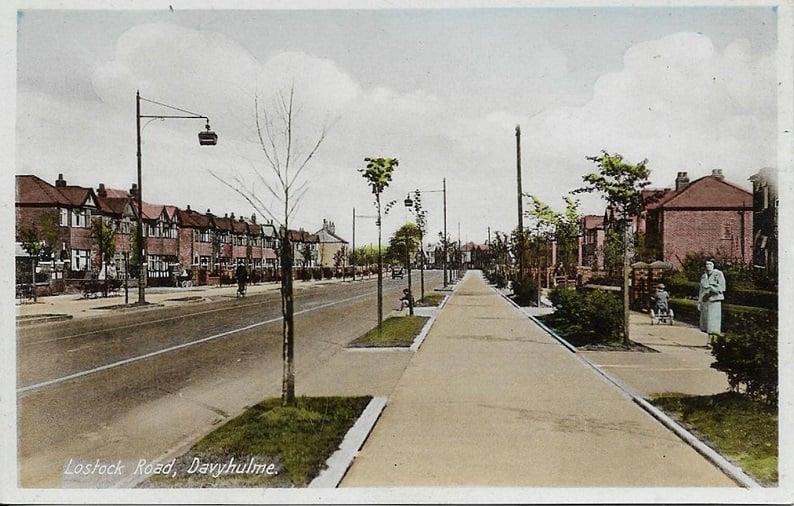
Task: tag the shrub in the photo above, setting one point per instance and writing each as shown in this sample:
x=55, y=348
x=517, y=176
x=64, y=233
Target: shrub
x=305, y=274
x=497, y=278
x=748, y=356
x=734, y=318
x=328, y=273
x=317, y=274
x=525, y=291
x=587, y=316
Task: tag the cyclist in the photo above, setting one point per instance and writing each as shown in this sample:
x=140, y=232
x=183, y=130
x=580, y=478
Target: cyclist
x=242, y=279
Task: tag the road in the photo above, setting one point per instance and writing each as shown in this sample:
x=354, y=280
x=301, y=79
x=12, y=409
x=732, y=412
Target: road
x=145, y=385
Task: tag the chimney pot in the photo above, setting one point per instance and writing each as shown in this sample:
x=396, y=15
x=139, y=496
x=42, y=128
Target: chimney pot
x=681, y=181
x=60, y=182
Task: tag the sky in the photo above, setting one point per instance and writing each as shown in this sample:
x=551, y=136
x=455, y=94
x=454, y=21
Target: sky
x=441, y=89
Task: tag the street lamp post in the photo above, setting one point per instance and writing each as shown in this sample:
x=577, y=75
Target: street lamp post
x=409, y=203
x=408, y=265
x=206, y=138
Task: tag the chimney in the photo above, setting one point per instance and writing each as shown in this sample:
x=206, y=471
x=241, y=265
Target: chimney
x=253, y=219
x=60, y=182
x=134, y=190
x=232, y=216
x=101, y=191
x=681, y=181
x=717, y=173
x=189, y=209
x=209, y=213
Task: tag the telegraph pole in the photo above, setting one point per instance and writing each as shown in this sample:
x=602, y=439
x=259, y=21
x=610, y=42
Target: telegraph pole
x=519, y=191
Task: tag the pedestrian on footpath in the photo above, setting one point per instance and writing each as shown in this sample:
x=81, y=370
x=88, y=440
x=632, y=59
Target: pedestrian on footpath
x=710, y=297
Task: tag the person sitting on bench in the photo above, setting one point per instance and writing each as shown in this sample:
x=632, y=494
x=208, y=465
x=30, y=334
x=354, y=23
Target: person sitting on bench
x=407, y=300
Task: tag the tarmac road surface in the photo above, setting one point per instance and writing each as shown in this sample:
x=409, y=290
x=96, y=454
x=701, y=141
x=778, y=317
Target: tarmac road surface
x=148, y=385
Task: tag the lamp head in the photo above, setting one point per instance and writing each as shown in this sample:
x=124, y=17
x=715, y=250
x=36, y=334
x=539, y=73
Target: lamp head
x=208, y=137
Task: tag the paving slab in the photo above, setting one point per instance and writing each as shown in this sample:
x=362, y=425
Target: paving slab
x=492, y=400
x=682, y=364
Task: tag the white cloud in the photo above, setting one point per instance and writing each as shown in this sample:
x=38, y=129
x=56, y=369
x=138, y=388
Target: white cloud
x=678, y=101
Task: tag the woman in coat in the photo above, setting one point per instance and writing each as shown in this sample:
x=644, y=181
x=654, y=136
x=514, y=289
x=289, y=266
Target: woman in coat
x=710, y=297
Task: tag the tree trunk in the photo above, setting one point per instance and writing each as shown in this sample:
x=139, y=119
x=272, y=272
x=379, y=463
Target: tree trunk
x=287, y=311
x=626, y=275
x=33, y=284
x=380, y=271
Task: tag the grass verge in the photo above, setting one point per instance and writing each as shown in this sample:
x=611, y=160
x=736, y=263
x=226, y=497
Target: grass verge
x=396, y=331
x=573, y=335
x=431, y=299
x=743, y=430
x=268, y=445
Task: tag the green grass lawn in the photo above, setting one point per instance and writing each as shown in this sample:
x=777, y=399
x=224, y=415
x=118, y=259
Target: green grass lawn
x=395, y=331
x=740, y=428
x=294, y=442
x=431, y=299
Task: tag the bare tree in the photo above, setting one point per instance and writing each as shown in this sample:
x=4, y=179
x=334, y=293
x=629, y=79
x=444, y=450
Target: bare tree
x=286, y=155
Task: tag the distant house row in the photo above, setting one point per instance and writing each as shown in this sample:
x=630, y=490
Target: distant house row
x=706, y=216
x=174, y=238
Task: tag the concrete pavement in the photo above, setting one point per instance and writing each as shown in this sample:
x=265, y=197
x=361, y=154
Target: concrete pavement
x=493, y=400
x=75, y=306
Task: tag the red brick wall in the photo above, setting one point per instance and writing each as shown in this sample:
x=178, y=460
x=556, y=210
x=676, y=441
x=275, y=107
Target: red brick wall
x=703, y=231
x=185, y=255
x=161, y=246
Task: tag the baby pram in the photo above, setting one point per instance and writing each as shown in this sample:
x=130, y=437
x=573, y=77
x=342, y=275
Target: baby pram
x=661, y=312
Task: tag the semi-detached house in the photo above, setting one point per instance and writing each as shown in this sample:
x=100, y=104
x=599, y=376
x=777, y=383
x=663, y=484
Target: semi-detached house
x=174, y=239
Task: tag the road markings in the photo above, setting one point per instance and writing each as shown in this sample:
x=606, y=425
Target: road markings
x=120, y=363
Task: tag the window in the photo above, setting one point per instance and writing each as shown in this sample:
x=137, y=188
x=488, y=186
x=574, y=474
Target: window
x=201, y=235
x=64, y=217
x=80, y=218
x=726, y=231
x=81, y=260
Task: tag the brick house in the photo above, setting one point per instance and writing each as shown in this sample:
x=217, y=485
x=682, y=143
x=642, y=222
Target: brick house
x=706, y=216
x=195, y=239
x=263, y=245
x=302, y=242
x=174, y=239
x=161, y=240
x=117, y=211
x=591, y=242
x=72, y=207
x=765, y=216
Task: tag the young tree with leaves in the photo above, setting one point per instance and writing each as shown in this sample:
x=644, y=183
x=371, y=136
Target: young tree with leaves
x=286, y=153
x=378, y=175
x=33, y=244
x=104, y=236
x=620, y=183
x=562, y=227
